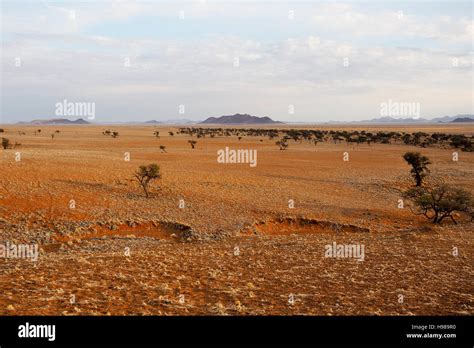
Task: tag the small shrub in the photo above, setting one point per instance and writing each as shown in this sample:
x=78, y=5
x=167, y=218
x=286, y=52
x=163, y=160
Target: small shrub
x=282, y=144
x=5, y=143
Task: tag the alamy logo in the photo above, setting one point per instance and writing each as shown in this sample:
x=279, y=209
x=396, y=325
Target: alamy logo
x=237, y=156
x=86, y=109
x=406, y=109
x=19, y=251
x=37, y=331
x=355, y=251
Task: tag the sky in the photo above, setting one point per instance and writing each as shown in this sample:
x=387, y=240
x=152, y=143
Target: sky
x=309, y=61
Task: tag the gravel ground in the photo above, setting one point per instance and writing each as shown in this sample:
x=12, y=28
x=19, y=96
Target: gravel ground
x=236, y=248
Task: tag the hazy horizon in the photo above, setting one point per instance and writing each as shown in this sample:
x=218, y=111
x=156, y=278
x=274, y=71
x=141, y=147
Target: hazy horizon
x=294, y=62
x=191, y=121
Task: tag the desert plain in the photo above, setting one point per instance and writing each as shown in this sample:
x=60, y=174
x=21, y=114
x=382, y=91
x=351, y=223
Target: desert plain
x=223, y=238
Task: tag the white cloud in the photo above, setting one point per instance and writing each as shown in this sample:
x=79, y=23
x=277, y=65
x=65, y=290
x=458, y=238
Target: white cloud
x=345, y=18
x=59, y=61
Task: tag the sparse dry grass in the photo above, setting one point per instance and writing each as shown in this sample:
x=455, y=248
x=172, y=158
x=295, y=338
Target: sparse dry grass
x=404, y=254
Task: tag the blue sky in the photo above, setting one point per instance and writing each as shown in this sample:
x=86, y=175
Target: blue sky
x=330, y=61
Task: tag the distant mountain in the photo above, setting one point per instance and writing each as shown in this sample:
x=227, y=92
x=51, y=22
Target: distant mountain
x=385, y=120
x=388, y=119
x=392, y=120
x=177, y=121
x=56, y=121
x=239, y=119
x=452, y=118
x=463, y=119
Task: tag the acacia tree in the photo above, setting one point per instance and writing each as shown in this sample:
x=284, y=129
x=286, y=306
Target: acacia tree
x=163, y=148
x=461, y=141
x=440, y=202
x=193, y=143
x=419, y=165
x=145, y=174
